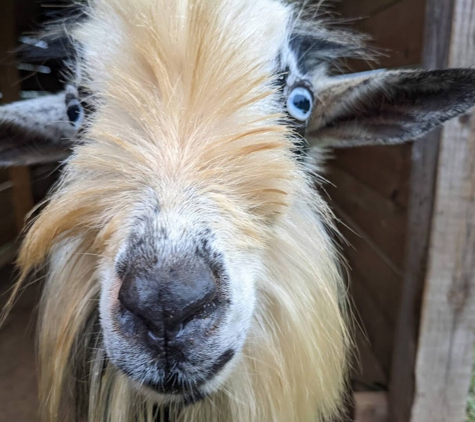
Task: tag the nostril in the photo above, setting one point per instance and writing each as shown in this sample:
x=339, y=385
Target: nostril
x=125, y=299
x=144, y=310
x=188, y=303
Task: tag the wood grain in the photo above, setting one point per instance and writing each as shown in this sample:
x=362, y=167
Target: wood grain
x=375, y=290
x=367, y=374
x=378, y=217
x=385, y=169
x=373, y=191
x=425, y=156
x=381, y=280
x=376, y=326
x=365, y=7
x=397, y=30
x=444, y=357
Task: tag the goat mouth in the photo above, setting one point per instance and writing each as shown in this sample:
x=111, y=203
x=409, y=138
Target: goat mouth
x=178, y=385
x=185, y=398
x=188, y=387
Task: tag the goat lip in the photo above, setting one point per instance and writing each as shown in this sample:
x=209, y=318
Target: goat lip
x=175, y=386
x=189, y=389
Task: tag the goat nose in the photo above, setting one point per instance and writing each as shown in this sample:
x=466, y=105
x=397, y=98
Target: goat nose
x=169, y=297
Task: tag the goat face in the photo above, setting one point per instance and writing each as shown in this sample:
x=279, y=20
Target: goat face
x=194, y=187
x=185, y=210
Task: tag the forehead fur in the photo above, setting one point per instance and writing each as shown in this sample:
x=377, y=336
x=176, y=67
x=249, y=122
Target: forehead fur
x=185, y=99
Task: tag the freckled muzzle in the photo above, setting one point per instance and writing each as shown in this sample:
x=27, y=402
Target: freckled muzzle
x=172, y=312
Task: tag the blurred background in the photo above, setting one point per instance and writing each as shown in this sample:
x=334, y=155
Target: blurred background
x=20, y=190
x=384, y=196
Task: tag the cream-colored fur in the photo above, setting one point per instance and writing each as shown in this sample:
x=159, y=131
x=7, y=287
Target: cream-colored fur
x=185, y=103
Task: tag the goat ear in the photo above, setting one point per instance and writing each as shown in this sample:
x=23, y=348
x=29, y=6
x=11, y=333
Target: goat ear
x=37, y=131
x=388, y=107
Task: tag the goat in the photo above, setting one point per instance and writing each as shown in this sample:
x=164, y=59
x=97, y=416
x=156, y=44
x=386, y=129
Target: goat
x=191, y=271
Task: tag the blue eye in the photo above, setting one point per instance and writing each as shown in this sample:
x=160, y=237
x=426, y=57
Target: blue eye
x=75, y=113
x=300, y=103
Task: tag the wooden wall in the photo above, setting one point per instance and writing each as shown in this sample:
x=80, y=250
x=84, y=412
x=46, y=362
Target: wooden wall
x=42, y=178
x=20, y=187
x=369, y=190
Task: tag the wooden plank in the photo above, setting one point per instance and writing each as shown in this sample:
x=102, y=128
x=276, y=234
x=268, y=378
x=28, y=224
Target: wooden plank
x=365, y=7
x=375, y=324
x=384, y=168
x=381, y=175
x=444, y=357
x=10, y=88
x=379, y=217
x=375, y=287
x=397, y=30
x=438, y=30
x=382, y=281
x=21, y=194
x=401, y=389
x=367, y=373
x=42, y=179
x=371, y=406
x=375, y=296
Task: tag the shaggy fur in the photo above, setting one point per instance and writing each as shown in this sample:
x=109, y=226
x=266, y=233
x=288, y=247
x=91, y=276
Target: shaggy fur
x=185, y=103
x=186, y=143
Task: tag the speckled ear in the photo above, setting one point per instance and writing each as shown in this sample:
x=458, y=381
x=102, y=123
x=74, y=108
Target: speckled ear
x=388, y=107
x=37, y=131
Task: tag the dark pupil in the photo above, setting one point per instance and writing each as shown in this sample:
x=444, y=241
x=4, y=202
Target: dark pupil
x=73, y=113
x=302, y=102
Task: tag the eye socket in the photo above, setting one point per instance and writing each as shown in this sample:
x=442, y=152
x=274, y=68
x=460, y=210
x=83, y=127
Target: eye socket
x=300, y=103
x=75, y=112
